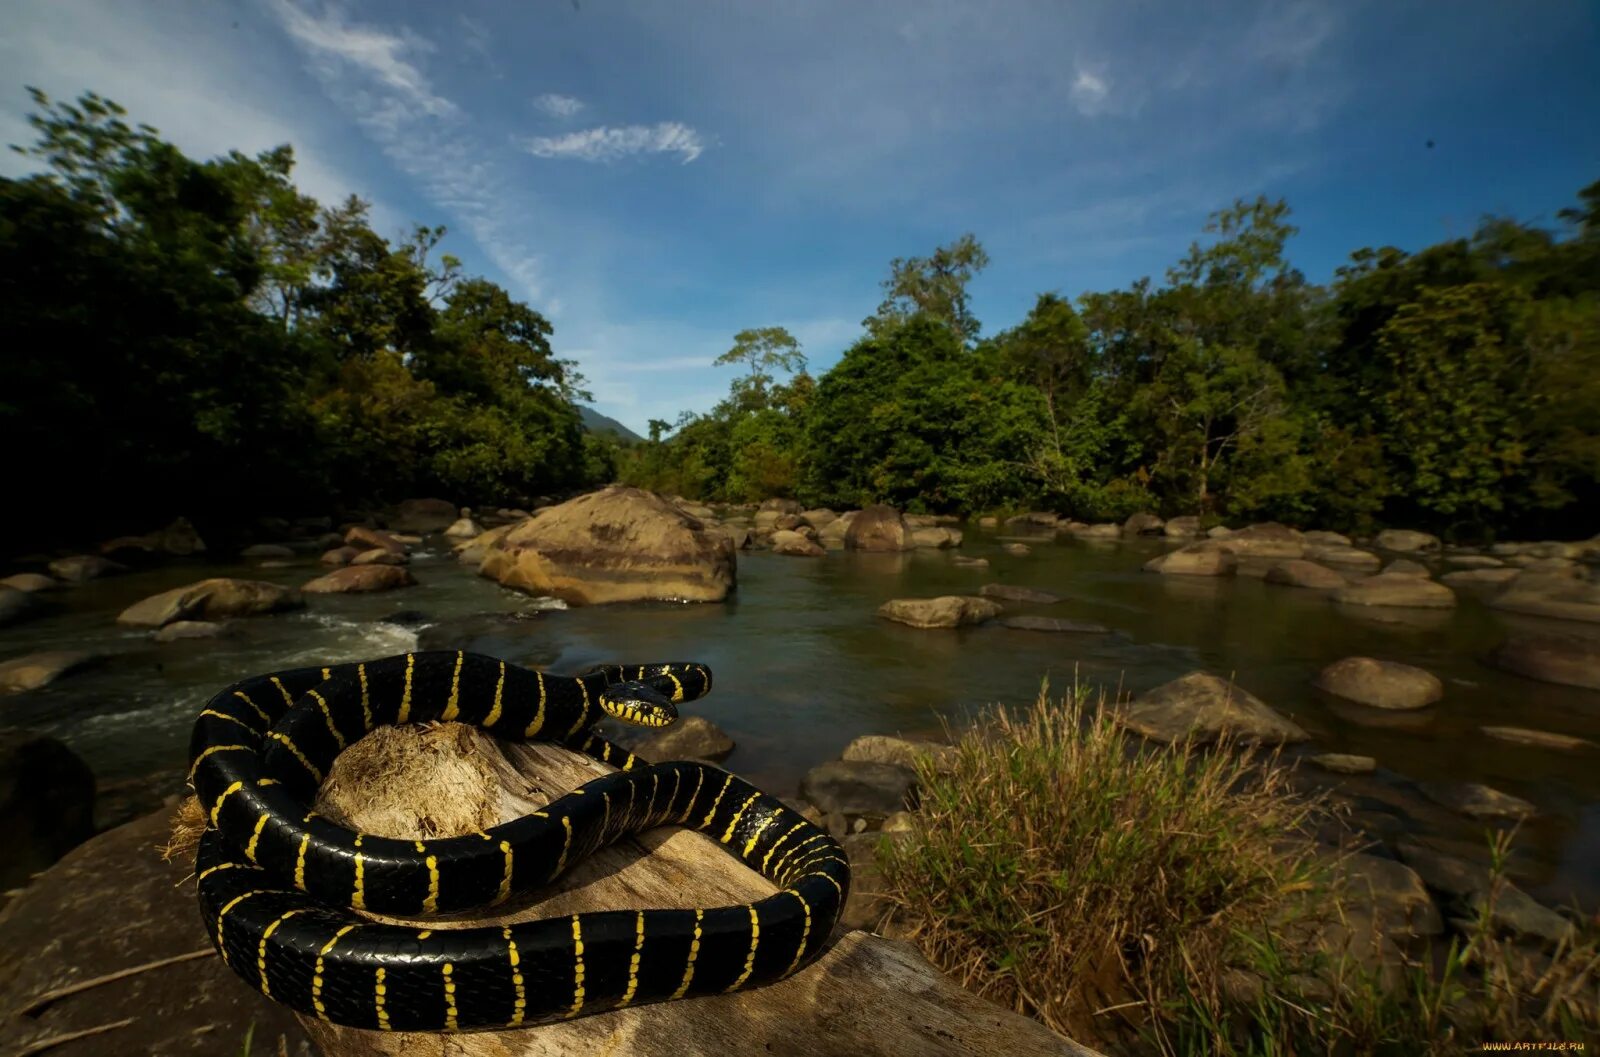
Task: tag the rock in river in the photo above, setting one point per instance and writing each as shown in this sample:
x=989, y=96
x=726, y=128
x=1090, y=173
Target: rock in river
x=1268, y=539
x=1464, y=891
x=619, y=544
x=1012, y=593
x=946, y=611
x=1539, y=739
x=1476, y=800
x=1400, y=590
x=853, y=787
x=1143, y=523
x=1380, y=684
x=1208, y=558
x=878, y=528
x=214, y=599
x=1344, y=763
x=691, y=738
x=15, y=604
x=190, y=629
x=1564, y=659
x=880, y=748
x=787, y=541
x=354, y=579
x=34, y=670
x=1406, y=541
x=1560, y=597
x=81, y=568
x=424, y=515
x=1032, y=623
x=30, y=582
x=1184, y=527
x=1202, y=706
x=1297, y=572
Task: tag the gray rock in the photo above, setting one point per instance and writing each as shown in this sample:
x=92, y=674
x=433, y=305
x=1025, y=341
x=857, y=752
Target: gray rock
x=1563, y=659
x=1207, y=558
x=946, y=611
x=1479, y=801
x=818, y=518
x=691, y=738
x=852, y=787
x=1539, y=739
x=1464, y=889
x=1054, y=624
x=902, y=752
x=878, y=528
x=214, y=599
x=1013, y=593
x=868, y=904
x=1348, y=559
x=1297, y=572
x=1396, y=894
x=1204, y=707
x=1104, y=531
x=1405, y=592
x=380, y=556
x=1406, y=541
x=969, y=563
x=1380, y=684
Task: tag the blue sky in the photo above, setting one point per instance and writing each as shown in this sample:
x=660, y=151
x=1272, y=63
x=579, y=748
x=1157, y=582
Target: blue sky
x=655, y=176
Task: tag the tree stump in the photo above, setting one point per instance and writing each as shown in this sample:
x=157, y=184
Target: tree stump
x=865, y=997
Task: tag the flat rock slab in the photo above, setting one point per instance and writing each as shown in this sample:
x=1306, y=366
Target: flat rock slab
x=1056, y=624
x=113, y=904
x=1205, y=707
x=691, y=738
x=1476, y=800
x=1394, y=589
x=1540, y=739
x=356, y=579
x=902, y=752
x=946, y=611
x=855, y=787
x=1380, y=684
x=1560, y=597
x=34, y=670
x=1345, y=557
x=215, y=599
x=1566, y=660
x=1013, y=593
x=1344, y=763
x=1298, y=572
x=1208, y=558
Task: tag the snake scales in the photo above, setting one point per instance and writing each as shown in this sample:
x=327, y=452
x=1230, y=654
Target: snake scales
x=281, y=888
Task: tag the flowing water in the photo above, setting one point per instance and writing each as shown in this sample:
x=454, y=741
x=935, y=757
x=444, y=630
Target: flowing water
x=803, y=665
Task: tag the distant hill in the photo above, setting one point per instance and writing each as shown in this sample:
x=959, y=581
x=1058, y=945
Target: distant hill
x=595, y=422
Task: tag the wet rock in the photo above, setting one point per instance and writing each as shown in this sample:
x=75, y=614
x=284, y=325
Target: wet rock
x=1564, y=659
x=1347, y=559
x=1104, y=531
x=463, y=528
x=1218, y=532
x=266, y=550
x=34, y=670
x=792, y=543
x=1464, y=890
x=113, y=904
x=1012, y=593
x=1406, y=541
x=46, y=805
x=189, y=629
x=902, y=752
x=1207, y=558
x=1344, y=763
x=340, y=555
x=1040, y=518
x=937, y=537
x=1055, y=624
x=1267, y=540
x=969, y=563
x=81, y=568
x=30, y=582
x=14, y=605
x=424, y=515
x=818, y=518
x=1406, y=592
x=1465, y=579
x=989, y=521
x=354, y=579
x=1476, y=800
x=1540, y=739
x=179, y=539
x=878, y=528
x=364, y=539
x=946, y=611
x=1380, y=684
x=475, y=632
x=1473, y=561
x=854, y=787
x=1018, y=549
x=691, y=738
x=1323, y=538
x=380, y=556
x=1143, y=524
x=1551, y=596
x=472, y=552
x=118, y=803
x=1297, y=572
x=1406, y=567
x=619, y=544
x=780, y=506
x=787, y=522
x=215, y=599
x=1204, y=707
x=1184, y=527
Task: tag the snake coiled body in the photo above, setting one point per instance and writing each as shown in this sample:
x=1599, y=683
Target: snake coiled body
x=281, y=888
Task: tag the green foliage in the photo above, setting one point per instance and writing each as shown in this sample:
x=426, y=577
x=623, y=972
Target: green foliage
x=935, y=287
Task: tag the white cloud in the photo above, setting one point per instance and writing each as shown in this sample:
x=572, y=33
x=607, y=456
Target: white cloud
x=1090, y=92
x=557, y=105
x=608, y=143
x=378, y=54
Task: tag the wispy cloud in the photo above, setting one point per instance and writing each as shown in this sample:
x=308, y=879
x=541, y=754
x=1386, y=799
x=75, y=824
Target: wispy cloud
x=380, y=55
x=608, y=143
x=557, y=105
x=1090, y=92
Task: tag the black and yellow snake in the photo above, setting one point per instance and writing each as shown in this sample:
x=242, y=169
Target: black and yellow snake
x=281, y=889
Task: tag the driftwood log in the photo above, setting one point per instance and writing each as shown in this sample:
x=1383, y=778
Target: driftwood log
x=865, y=997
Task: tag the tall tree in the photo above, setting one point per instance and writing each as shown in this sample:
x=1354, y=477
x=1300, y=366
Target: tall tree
x=935, y=287
x=763, y=351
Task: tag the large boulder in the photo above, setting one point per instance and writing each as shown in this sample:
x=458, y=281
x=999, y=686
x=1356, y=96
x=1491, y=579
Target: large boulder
x=364, y=539
x=1380, y=684
x=691, y=738
x=1205, y=708
x=1143, y=524
x=619, y=544
x=1406, y=567
x=1206, y=558
x=880, y=748
x=946, y=611
x=113, y=904
x=81, y=568
x=836, y=530
x=46, y=805
x=1185, y=527
x=878, y=528
x=1014, y=593
x=787, y=541
x=1268, y=539
x=216, y=599
x=855, y=787
x=358, y=579
x=424, y=515
x=936, y=537
x=463, y=529
x=1406, y=541
x=33, y=670
x=1560, y=597
x=1297, y=572
x=1324, y=538
x=1564, y=659
x=380, y=556
x=818, y=518
x=1348, y=559
x=1400, y=590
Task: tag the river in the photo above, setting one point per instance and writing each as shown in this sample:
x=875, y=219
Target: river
x=803, y=665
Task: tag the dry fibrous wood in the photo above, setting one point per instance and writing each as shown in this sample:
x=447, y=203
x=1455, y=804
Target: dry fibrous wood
x=867, y=996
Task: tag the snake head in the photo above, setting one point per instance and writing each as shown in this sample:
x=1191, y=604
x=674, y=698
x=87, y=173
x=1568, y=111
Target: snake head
x=638, y=703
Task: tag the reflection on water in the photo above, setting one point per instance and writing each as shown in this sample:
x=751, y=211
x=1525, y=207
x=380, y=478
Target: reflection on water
x=803, y=665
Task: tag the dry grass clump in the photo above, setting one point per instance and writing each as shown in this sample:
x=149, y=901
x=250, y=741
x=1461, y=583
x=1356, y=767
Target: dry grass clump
x=1150, y=899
